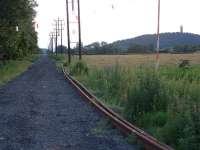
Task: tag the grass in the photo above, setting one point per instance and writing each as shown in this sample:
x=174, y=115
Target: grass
x=138, y=59
x=13, y=68
x=165, y=106
x=165, y=103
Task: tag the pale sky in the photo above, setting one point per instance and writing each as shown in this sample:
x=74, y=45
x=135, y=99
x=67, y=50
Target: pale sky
x=111, y=20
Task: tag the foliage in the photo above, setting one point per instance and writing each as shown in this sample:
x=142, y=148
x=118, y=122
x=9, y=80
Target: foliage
x=137, y=48
x=191, y=74
x=101, y=48
x=170, y=42
x=13, y=68
x=182, y=127
x=186, y=48
x=145, y=95
x=165, y=103
x=19, y=13
x=109, y=84
x=174, y=119
x=78, y=68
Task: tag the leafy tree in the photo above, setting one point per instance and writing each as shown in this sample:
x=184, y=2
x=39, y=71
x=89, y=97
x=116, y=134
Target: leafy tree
x=19, y=13
x=137, y=48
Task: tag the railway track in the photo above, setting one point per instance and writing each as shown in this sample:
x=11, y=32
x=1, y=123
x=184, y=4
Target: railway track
x=149, y=142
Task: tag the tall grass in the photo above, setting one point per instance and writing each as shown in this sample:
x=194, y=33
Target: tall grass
x=168, y=109
x=188, y=74
x=166, y=103
x=182, y=127
x=145, y=95
x=109, y=84
x=78, y=68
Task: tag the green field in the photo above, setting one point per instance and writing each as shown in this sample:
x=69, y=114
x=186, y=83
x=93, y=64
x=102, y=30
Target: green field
x=12, y=68
x=165, y=103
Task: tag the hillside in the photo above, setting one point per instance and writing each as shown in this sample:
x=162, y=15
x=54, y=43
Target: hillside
x=167, y=40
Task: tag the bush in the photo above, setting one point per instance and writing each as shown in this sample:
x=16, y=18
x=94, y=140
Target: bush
x=116, y=84
x=182, y=126
x=145, y=95
x=155, y=119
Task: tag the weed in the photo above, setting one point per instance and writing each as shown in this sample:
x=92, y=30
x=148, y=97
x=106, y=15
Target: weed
x=165, y=103
x=145, y=95
x=78, y=68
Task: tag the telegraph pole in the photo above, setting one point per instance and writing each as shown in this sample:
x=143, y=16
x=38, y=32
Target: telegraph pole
x=61, y=33
x=51, y=40
x=79, y=31
x=68, y=32
x=56, y=36
x=158, y=39
x=79, y=28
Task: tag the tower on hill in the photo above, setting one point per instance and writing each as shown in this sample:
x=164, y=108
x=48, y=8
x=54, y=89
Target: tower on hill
x=181, y=29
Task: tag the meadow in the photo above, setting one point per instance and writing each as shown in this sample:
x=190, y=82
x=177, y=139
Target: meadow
x=165, y=103
x=139, y=59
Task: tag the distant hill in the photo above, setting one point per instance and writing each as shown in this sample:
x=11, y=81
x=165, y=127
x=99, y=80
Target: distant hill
x=167, y=40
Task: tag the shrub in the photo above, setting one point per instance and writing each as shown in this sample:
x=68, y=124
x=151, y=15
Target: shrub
x=182, y=127
x=145, y=95
x=155, y=119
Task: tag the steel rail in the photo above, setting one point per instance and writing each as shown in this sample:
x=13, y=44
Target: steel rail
x=149, y=142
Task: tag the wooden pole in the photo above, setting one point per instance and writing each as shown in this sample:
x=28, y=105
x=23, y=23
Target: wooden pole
x=158, y=39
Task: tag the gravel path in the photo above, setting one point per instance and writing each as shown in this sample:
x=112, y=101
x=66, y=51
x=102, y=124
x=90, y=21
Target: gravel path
x=39, y=110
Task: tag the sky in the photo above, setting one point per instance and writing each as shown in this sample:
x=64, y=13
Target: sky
x=111, y=20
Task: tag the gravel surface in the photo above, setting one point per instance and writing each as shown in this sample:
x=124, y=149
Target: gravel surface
x=39, y=110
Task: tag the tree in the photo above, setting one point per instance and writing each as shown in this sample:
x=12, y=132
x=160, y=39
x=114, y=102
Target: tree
x=137, y=48
x=19, y=13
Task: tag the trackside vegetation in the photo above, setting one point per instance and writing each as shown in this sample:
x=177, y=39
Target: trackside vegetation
x=12, y=68
x=18, y=38
x=165, y=103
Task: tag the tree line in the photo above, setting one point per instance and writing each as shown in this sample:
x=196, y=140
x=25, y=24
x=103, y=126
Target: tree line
x=112, y=48
x=18, y=37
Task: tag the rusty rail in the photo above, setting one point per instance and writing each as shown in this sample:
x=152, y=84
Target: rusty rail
x=149, y=142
